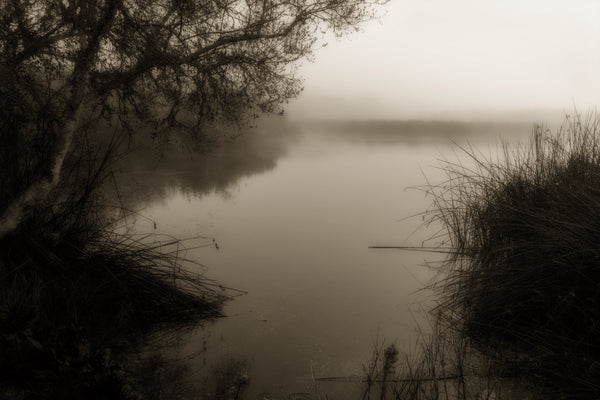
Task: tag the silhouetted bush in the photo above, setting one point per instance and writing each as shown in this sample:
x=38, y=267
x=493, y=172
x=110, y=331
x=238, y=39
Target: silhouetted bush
x=523, y=273
x=78, y=293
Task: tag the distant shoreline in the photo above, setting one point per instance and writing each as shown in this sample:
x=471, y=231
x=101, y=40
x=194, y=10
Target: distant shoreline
x=418, y=129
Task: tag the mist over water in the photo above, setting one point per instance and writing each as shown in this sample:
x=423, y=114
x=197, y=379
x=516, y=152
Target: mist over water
x=293, y=210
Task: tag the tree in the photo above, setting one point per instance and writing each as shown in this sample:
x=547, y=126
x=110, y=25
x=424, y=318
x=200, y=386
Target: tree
x=66, y=64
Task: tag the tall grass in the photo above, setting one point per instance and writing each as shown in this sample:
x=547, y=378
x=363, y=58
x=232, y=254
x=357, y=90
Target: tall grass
x=522, y=279
x=439, y=365
x=77, y=293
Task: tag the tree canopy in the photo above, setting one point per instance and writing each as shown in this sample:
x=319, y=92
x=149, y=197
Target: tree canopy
x=214, y=59
x=67, y=63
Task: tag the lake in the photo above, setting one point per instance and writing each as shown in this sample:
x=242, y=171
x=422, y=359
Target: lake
x=293, y=209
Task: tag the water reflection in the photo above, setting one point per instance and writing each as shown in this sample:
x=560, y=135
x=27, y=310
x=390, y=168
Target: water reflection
x=294, y=232
x=150, y=171
x=417, y=132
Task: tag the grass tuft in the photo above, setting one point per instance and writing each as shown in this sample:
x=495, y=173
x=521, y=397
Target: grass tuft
x=78, y=294
x=522, y=278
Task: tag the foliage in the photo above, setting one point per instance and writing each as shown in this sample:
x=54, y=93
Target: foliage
x=166, y=64
x=79, y=294
x=523, y=272
x=72, y=286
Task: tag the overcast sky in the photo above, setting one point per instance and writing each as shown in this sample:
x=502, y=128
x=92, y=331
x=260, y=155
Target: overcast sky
x=444, y=58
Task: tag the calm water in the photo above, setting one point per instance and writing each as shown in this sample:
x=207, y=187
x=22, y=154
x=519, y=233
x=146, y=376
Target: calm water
x=293, y=210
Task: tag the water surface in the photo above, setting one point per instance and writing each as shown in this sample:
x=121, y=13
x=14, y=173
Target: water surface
x=293, y=211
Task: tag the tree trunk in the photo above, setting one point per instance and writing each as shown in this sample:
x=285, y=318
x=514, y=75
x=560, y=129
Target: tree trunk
x=20, y=207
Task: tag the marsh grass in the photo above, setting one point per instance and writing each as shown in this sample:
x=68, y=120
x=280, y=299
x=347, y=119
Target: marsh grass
x=78, y=294
x=522, y=277
x=439, y=365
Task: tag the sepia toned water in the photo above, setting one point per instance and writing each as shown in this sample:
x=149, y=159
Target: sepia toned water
x=293, y=210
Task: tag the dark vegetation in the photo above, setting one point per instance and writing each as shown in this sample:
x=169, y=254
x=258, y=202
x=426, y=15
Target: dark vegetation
x=80, y=295
x=522, y=280
x=78, y=79
x=145, y=66
x=518, y=309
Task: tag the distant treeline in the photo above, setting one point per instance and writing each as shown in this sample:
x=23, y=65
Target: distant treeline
x=419, y=130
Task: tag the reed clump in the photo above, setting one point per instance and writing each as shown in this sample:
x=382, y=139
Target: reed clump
x=522, y=277
x=79, y=295
x=438, y=367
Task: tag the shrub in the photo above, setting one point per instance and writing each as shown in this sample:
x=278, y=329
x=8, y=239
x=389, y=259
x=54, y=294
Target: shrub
x=522, y=278
x=78, y=293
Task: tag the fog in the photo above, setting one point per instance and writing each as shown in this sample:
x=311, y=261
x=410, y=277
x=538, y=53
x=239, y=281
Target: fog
x=462, y=59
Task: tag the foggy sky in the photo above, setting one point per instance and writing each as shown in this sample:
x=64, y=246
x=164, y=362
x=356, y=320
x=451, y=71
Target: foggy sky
x=459, y=58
